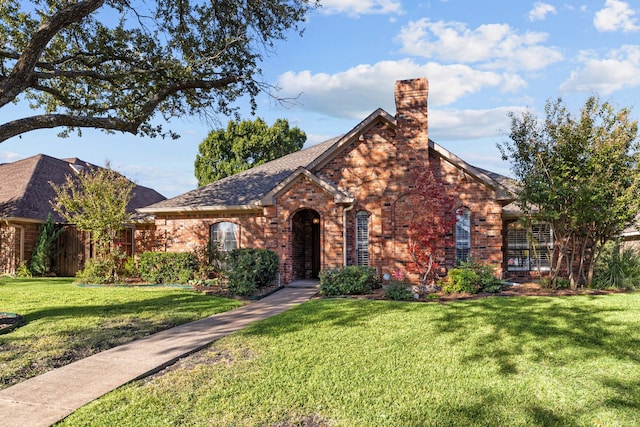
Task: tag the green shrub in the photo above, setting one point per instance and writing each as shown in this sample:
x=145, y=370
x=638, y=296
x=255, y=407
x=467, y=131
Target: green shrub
x=167, y=267
x=24, y=271
x=351, y=280
x=97, y=270
x=471, y=277
x=461, y=280
x=249, y=269
x=398, y=291
x=108, y=269
x=40, y=263
x=617, y=268
x=210, y=261
x=129, y=268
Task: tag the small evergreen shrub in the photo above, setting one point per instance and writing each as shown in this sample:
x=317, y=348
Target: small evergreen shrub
x=97, y=270
x=398, y=291
x=471, y=278
x=617, y=268
x=249, y=269
x=351, y=280
x=40, y=263
x=461, y=279
x=24, y=271
x=167, y=267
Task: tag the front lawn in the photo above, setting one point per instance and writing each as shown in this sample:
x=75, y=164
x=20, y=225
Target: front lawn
x=65, y=322
x=518, y=361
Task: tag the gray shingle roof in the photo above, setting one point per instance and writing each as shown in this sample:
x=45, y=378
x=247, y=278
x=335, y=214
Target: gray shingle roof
x=245, y=188
x=25, y=191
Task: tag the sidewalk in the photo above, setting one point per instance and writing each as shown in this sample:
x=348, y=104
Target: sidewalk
x=48, y=398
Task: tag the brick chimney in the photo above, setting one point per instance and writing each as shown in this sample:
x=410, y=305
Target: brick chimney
x=412, y=132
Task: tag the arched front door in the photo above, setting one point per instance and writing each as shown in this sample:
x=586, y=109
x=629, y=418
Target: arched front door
x=305, y=226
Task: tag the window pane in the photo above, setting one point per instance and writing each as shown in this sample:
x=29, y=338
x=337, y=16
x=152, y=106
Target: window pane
x=225, y=235
x=362, y=238
x=529, y=250
x=463, y=235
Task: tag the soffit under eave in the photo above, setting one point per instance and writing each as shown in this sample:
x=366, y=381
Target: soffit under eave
x=338, y=196
x=378, y=115
x=20, y=220
x=201, y=210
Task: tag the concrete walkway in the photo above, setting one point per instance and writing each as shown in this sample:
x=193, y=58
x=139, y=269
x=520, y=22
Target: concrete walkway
x=48, y=398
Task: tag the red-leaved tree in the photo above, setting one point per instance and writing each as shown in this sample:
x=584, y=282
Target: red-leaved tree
x=434, y=219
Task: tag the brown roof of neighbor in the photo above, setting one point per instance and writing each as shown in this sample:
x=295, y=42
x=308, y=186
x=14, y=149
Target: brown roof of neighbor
x=248, y=189
x=25, y=191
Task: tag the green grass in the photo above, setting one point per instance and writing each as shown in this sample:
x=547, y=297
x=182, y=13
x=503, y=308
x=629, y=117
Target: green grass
x=65, y=322
x=533, y=361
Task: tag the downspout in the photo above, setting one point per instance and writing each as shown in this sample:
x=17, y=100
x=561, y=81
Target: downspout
x=344, y=231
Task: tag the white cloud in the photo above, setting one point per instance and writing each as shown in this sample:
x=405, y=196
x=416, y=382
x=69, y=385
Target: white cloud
x=616, y=16
x=619, y=70
x=491, y=46
x=540, y=11
x=360, y=7
x=356, y=92
x=10, y=157
x=469, y=124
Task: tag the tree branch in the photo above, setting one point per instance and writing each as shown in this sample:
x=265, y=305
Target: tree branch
x=48, y=121
x=22, y=72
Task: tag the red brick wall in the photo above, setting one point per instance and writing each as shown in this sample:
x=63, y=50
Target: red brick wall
x=486, y=213
x=378, y=168
x=11, y=245
x=183, y=233
x=9, y=249
x=305, y=194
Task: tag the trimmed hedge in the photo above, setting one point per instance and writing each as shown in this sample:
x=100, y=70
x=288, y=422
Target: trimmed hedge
x=167, y=267
x=249, y=269
x=351, y=280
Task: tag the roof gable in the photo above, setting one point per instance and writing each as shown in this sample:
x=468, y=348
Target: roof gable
x=490, y=179
x=256, y=187
x=377, y=116
x=282, y=187
x=26, y=192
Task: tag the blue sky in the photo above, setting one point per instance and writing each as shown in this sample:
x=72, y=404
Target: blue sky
x=483, y=59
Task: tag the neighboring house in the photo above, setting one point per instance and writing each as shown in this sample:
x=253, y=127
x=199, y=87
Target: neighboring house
x=25, y=203
x=346, y=202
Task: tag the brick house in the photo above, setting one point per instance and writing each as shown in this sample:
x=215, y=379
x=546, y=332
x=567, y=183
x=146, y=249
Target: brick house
x=25, y=195
x=346, y=201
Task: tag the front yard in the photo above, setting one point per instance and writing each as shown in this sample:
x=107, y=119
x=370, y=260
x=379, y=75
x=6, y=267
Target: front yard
x=65, y=322
x=516, y=361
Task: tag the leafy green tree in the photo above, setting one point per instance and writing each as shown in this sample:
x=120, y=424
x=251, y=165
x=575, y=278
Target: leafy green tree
x=243, y=145
x=96, y=201
x=115, y=64
x=581, y=174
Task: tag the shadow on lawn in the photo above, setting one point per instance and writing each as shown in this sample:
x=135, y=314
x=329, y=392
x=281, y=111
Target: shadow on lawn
x=343, y=313
x=533, y=320
x=548, y=331
x=174, y=303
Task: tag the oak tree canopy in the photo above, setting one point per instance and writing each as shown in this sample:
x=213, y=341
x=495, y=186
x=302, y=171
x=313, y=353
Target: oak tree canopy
x=117, y=64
